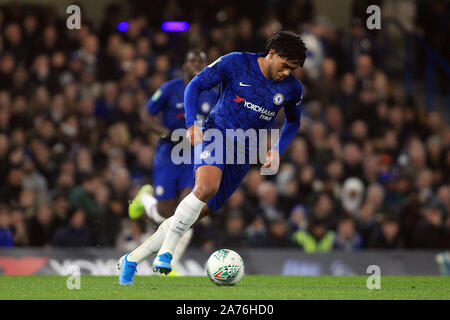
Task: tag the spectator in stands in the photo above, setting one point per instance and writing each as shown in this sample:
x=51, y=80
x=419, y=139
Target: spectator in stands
x=387, y=235
x=42, y=226
x=347, y=237
x=19, y=228
x=75, y=233
x=279, y=235
x=6, y=236
x=432, y=232
x=318, y=237
x=83, y=196
x=233, y=234
x=256, y=232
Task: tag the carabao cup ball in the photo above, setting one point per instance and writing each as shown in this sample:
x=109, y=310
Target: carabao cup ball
x=225, y=267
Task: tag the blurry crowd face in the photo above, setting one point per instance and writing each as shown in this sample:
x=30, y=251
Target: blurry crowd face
x=346, y=228
x=329, y=68
x=334, y=118
x=348, y=83
x=235, y=224
x=299, y=151
x=7, y=64
x=195, y=62
x=433, y=216
x=323, y=206
x=44, y=214
x=352, y=154
x=237, y=199
x=364, y=66
x=390, y=230
x=78, y=219
x=4, y=145
x=268, y=193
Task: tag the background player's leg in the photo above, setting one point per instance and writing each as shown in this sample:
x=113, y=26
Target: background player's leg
x=165, y=208
x=157, y=210
x=207, y=182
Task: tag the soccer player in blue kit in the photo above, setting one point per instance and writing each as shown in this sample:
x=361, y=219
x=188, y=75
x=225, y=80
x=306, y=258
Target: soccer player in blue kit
x=253, y=88
x=171, y=182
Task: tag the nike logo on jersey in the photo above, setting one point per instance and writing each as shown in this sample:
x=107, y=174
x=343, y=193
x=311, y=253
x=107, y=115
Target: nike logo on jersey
x=244, y=85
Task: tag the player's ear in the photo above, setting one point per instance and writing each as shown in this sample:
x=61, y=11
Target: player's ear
x=271, y=53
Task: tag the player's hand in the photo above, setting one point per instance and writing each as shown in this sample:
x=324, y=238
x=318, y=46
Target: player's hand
x=194, y=134
x=273, y=160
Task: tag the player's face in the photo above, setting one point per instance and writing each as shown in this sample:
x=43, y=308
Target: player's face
x=280, y=67
x=195, y=63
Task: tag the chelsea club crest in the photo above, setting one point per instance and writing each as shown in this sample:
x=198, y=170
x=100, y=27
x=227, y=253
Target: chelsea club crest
x=278, y=99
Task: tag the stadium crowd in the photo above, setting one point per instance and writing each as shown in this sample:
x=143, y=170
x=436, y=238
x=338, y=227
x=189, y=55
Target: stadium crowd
x=369, y=168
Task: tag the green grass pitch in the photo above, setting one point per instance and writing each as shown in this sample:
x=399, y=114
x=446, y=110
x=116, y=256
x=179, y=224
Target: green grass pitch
x=251, y=287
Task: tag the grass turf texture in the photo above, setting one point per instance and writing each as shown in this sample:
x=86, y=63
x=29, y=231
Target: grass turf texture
x=255, y=287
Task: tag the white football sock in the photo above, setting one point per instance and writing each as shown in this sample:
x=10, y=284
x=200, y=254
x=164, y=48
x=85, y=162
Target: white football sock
x=181, y=247
x=152, y=244
x=150, y=205
x=184, y=217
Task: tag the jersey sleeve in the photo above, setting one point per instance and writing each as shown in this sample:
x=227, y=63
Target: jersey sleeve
x=293, y=108
x=292, y=111
x=218, y=71
x=157, y=100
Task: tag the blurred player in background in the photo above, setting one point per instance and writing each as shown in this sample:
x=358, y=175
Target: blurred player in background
x=171, y=182
x=253, y=88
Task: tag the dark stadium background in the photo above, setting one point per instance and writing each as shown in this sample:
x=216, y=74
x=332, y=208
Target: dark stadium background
x=369, y=169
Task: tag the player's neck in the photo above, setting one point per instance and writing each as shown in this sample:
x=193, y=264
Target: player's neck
x=263, y=66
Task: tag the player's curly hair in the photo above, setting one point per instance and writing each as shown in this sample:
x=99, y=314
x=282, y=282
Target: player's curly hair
x=289, y=45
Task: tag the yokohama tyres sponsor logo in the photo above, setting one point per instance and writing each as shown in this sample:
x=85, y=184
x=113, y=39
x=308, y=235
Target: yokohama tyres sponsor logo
x=264, y=113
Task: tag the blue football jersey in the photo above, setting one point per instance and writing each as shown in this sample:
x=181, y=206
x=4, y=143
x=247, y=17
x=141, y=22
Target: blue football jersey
x=169, y=101
x=247, y=99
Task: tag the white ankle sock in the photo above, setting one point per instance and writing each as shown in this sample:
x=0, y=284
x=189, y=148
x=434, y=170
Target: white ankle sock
x=184, y=217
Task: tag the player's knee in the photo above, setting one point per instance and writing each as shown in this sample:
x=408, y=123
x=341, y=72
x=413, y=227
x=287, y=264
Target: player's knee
x=204, y=192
